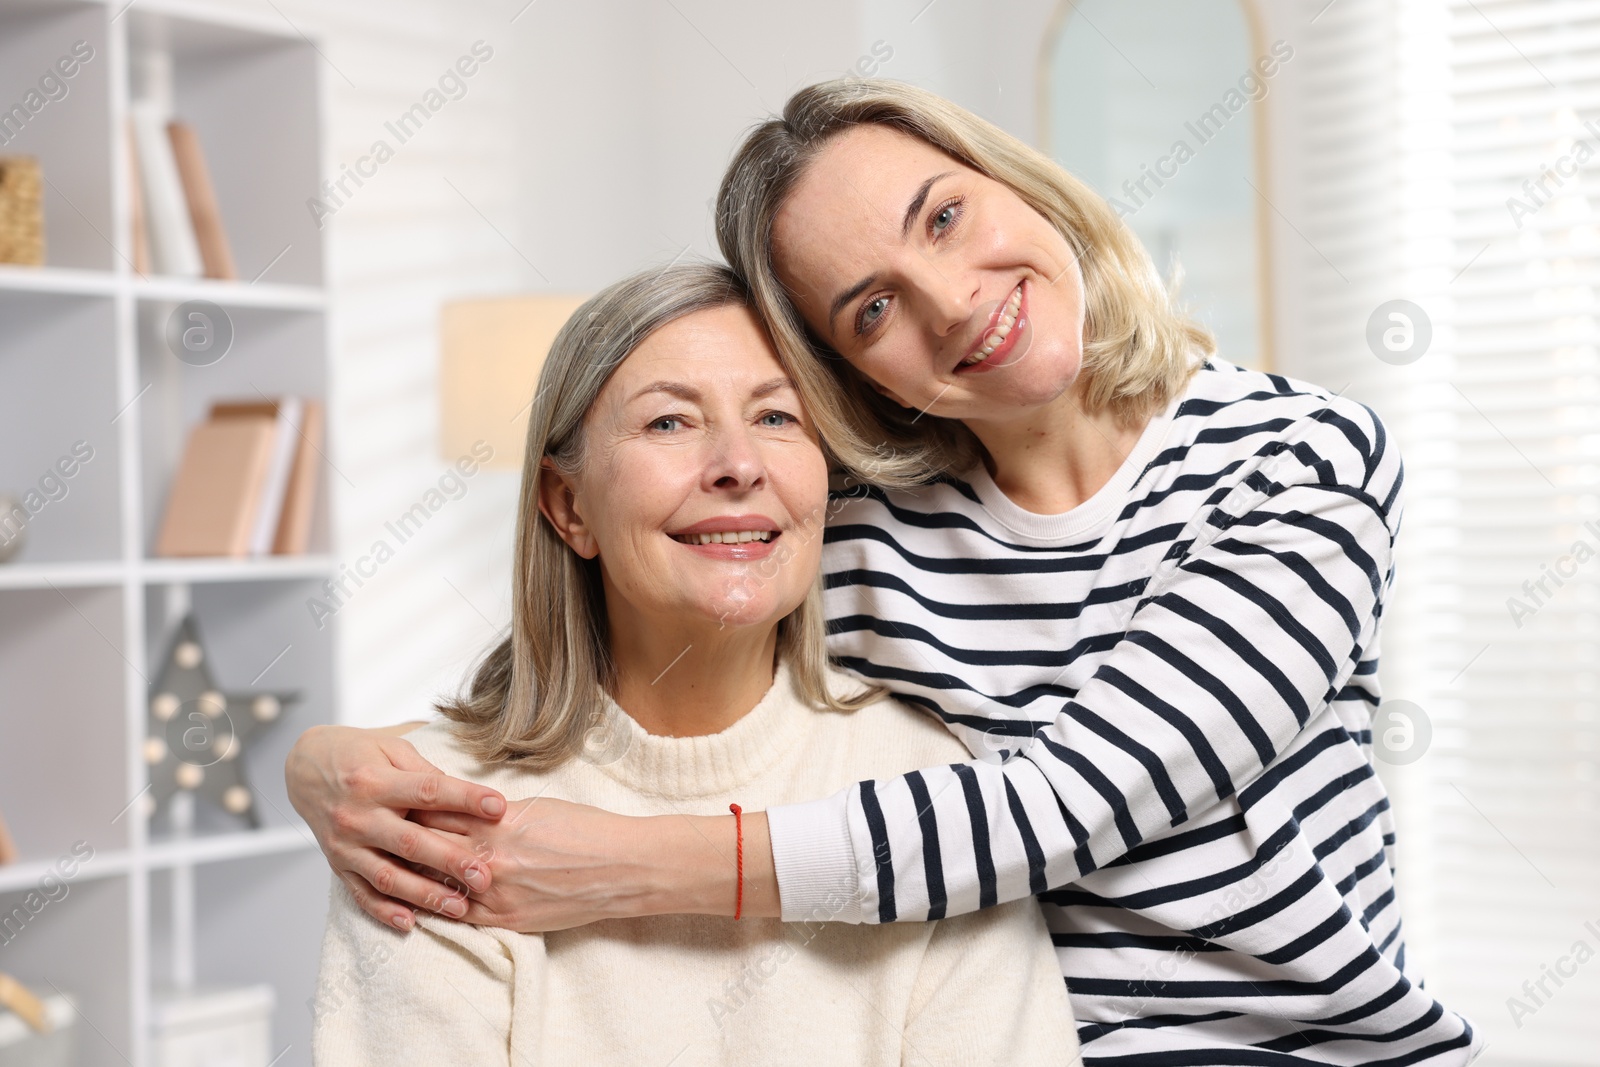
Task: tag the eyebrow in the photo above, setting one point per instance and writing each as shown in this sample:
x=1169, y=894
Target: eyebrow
x=692, y=395
x=677, y=389
x=766, y=389
x=913, y=209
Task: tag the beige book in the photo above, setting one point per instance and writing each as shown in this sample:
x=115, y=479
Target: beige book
x=204, y=212
x=293, y=504
x=294, y=524
x=211, y=508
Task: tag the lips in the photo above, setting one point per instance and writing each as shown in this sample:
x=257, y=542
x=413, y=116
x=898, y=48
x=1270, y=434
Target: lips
x=1006, y=327
x=735, y=537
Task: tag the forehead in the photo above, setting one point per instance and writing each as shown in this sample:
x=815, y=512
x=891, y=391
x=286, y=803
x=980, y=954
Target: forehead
x=723, y=344
x=849, y=203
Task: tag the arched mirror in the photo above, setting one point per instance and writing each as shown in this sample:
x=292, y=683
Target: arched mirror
x=1161, y=106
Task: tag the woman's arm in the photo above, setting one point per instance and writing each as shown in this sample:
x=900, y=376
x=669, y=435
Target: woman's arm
x=558, y=865
x=550, y=865
x=1235, y=644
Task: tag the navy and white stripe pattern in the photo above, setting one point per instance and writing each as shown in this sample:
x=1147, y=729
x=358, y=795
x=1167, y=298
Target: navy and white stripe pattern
x=1169, y=690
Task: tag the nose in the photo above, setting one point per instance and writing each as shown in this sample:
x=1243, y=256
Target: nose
x=948, y=296
x=735, y=462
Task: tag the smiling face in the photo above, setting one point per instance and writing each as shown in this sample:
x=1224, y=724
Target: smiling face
x=703, y=483
x=938, y=283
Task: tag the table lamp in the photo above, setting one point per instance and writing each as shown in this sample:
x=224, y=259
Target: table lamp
x=490, y=353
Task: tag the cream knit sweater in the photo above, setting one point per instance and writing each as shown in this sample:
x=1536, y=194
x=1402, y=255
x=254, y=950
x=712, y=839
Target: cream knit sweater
x=687, y=990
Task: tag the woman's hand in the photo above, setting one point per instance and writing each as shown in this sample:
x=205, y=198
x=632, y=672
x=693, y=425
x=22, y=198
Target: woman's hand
x=558, y=865
x=355, y=788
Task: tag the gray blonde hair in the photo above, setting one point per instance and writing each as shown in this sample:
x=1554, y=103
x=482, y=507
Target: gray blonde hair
x=539, y=692
x=1137, y=350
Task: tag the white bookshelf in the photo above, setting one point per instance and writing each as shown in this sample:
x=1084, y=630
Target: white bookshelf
x=86, y=613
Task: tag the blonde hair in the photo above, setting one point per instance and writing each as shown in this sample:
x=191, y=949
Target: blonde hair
x=1137, y=347
x=538, y=694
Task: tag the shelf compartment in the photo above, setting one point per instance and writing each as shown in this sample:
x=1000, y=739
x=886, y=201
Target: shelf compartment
x=63, y=772
x=252, y=98
x=50, y=340
x=273, y=353
x=233, y=903
x=46, y=953
x=259, y=637
x=70, y=133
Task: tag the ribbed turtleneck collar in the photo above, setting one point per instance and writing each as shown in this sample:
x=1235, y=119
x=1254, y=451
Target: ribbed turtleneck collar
x=713, y=763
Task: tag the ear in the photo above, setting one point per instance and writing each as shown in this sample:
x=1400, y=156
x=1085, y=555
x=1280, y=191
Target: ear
x=558, y=502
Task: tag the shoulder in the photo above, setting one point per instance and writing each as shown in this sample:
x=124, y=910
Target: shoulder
x=1296, y=431
x=1221, y=395
x=440, y=743
x=890, y=735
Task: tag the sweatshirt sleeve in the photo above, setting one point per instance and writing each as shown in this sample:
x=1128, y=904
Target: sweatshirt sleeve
x=1258, y=614
x=439, y=994
x=990, y=991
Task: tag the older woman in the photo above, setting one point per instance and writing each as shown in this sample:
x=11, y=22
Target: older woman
x=1142, y=584
x=668, y=457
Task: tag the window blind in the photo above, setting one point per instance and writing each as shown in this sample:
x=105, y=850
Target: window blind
x=1451, y=158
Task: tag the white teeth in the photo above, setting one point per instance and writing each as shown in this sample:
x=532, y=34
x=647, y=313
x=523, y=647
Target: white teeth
x=731, y=537
x=996, y=337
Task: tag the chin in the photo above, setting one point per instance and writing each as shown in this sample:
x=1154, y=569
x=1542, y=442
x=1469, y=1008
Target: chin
x=1037, y=379
x=744, y=603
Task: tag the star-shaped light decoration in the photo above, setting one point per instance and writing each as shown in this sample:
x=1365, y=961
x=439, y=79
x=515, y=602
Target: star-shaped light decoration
x=197, y=733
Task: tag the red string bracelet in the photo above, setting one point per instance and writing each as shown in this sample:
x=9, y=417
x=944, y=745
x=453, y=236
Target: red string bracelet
x=738, y=825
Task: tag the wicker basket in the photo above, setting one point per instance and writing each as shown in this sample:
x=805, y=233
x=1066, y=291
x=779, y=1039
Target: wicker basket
x=21, y=211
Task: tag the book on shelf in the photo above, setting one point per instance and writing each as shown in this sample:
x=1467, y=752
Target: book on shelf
x=247, y=482
x=173, y=248
x=293, y=535
x=177, y=220
x=204, y=213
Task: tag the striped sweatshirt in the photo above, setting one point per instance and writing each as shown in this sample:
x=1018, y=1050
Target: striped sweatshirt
x=1168, y=692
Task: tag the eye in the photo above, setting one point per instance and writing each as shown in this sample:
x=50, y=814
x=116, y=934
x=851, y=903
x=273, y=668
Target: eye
x=776, y=420
x=871, y=312
x=945, y=216
x=666, y=423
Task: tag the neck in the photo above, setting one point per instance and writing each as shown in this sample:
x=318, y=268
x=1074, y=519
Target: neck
x=1056, y=456
x=687, y=681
